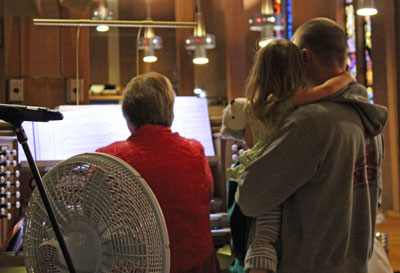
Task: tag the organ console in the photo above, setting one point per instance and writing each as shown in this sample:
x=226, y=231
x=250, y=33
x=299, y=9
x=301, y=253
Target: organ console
x=15, y=177
x=10, y=204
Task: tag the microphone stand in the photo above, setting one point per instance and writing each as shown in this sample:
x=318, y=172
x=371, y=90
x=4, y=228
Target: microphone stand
x=23, y=140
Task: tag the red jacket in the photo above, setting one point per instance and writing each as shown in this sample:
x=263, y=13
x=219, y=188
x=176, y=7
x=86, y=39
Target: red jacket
x=178, y=172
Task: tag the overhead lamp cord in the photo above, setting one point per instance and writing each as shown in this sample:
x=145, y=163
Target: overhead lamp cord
x=137, y=51
x=148, y=8
x=77, y=66
x=198, y=6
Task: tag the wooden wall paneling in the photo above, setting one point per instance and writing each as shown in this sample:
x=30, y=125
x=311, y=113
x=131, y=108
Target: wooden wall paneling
x=40, y=50
x=2, y=56
x=236, y=26
x=113, y=47
x=22, y=8
x=98, y=48
x=129, y=10
x=385, y=93
x=184, y=11
x=12, y=47
x=127, y=49
x=11, y=55
x=304, y=10
x=44, y=92
x=49, y=9
x=99, y=53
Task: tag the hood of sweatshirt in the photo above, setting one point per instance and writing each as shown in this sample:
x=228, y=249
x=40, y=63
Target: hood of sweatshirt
x=373, y=116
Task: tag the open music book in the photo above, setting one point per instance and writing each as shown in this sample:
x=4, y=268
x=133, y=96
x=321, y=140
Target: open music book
x=88, y=127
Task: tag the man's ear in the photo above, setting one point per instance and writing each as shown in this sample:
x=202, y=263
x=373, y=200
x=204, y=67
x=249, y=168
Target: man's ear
x=306, y=55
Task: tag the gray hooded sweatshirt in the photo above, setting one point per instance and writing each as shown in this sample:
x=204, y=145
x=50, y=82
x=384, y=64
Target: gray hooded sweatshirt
x=324, y=167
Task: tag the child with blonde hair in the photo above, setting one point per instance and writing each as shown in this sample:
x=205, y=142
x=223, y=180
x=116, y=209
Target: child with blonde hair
x=275, y=87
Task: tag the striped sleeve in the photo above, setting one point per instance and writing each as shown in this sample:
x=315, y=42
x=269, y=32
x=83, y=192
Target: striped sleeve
x=261, y=253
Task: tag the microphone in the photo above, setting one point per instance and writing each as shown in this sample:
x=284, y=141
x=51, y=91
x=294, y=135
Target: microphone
x=16, y=114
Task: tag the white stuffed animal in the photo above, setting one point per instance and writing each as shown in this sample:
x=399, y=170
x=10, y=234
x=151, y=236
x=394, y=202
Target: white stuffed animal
x=234, y=119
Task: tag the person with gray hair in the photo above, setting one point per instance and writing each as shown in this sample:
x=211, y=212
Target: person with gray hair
x=175, y=168
x=323, y=167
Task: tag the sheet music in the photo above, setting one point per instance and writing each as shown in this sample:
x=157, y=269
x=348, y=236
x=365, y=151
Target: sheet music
x=191, y=120
x=86, y=128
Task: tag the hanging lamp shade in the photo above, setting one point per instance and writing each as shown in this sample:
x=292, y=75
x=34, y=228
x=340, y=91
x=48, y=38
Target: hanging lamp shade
x=267, y=7
x=266, y=22
x=200, y=41
x=199, y=29
x=149, y=55
x=148, y=43
x=366, y=8
x=200, y=55
x=102, y=13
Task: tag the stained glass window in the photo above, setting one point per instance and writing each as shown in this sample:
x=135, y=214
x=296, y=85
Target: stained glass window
x=283, y=13
x=352, y=49
x=368, y=61
x=289, y=19
x=351, y=37
x=281, y=20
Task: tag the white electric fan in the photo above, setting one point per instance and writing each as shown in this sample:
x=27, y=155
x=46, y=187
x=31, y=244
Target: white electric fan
x=108, y=215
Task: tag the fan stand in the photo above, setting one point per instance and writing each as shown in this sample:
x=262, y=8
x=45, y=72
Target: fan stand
x=23, y=140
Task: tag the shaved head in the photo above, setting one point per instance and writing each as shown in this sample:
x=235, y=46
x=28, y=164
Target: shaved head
x=325, y=38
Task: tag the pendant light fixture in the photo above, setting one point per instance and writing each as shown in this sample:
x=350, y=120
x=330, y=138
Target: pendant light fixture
x=266, y=22
x=149, y=42
x=366, y=8
x=102, y=13
x=200, y=41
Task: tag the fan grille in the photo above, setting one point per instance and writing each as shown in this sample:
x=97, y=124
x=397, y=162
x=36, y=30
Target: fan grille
x=108, y=195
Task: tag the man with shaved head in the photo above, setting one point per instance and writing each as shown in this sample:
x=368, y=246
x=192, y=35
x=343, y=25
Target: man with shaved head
x=323, y=167
x=324, y=47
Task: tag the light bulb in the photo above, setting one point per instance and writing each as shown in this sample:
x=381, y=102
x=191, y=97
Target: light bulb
x=367, y=11
x=200, y=55
x=149, y=59
x=200, y=60
x=102, y=28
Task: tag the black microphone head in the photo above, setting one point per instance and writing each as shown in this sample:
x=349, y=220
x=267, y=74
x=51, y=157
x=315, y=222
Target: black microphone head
x=16, y=114
x=54, y=115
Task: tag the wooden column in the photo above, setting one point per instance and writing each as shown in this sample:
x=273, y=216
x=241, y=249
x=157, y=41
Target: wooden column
x=236, y=26
x=184, y=11
x=386, y=87
x=360, y=45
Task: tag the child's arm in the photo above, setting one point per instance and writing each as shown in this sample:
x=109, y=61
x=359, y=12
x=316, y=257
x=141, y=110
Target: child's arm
x=330, y=87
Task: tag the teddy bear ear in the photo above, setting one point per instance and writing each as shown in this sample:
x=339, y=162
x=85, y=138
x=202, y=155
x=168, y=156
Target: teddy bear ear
x=232, y=102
